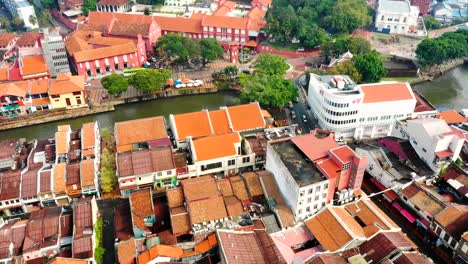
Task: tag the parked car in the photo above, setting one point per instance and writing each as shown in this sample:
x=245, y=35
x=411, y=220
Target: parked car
x=304, y=118
x=290, y=104
x=293, y=114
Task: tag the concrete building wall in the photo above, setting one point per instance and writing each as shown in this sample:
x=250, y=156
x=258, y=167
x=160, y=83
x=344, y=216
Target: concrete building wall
x=55, y=53
x=68, y=100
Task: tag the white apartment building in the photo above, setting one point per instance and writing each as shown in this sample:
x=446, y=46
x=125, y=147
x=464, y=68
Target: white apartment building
x=54, y=51
x=359, y=111
x=218, y=154
x=303, y=187
x=398, y=17
x=435, y=142
x=24, y=10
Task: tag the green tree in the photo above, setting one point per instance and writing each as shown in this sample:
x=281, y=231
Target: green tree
x=431, y=23
x=89, y=5
x=108, y=178
x=343, y=44
x=270, y=64
x=449, y=46
x=115, y=83
x=150, y=80
x=313, y=36
x=146, y=12
x=231, y=71
x=176, y=48
x=5, y=23
x=17, y=24
x=210, y=50
x=358, y=46
x=32, y=19
x=49, y=4
x=268, y=90
x=370, y=66
x=347, y=16
x=347, y=68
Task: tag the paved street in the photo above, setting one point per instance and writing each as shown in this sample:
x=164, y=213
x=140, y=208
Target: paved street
x=107, y=209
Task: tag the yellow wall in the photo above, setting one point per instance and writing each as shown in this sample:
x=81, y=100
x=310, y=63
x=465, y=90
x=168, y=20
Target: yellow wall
x=62, y=103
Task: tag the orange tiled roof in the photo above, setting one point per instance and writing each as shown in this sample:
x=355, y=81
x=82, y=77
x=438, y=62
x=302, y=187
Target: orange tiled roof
x=253, y=184
x=233, y=206
x=39, y=86
x=87, y=172
x=126, y=251
x=194, y=124
x=246, y=116
x=215, y=146
x=450, y=214
x=285, y=214
x=88, y=138
x=384, y=92
x=207, y=210
x=199, y=188
x=180, y=221
x=141, y=203
x=238, y=187
x=28, y=39
x=32, y=65
x=59, y=177
x=219, y=121
x=139, y=130
x=168, y=251
x=224, y=185
x=225, y=22
x=14, y=88
x=60, y=260
x=3, y=74
x=66, y=83
x=175, y=197
x=451, y=117
x=144, y=257
x=61, y=142
x=105, y=52
x=180, y=24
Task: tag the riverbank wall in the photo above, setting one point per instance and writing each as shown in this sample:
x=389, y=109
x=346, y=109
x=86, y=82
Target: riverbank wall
x=54, y=115
x=429, y=76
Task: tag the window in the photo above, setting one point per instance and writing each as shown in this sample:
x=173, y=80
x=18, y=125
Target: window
x=317, y=189
x=55, y=96
x=308, y=209
x=309, y=200
x=301, y=194
x=245, y=159
x=424, y=150
x=211, y=166
x=414, y=141
x=231, y=162
x=169, y=172
x=311, y=190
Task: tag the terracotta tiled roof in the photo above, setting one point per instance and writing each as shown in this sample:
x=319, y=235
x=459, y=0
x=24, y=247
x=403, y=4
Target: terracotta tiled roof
x=328, y=259
x=29, y=183
x=87, y=172
x=423, y=200
x=238, y=187
x=253, y=184
x=10, y=185
x=265, y=3
x=61, y=142
x=194, y=124
x=39, y=86
x=3, y=74
x=66, y=83
x=175, y=197
x=139, y=130
x=270, y=188
x=344, y=153
x=59, y=177
x=453, y=219
x=224, y=185
x=203, y=148
x=315, y=147
x=141, y=203
x=88, y=138
x=248, y=247
x=5, y=38
x=233, y=206
x=220, y=122
x=199, y=188
x=28, y=39
x=383, y=245
x=123, y=28
x=180, y=24
x=15, y=88
x=246, y=117
x=112, y=2
x=206, y=210
x=451, y=117
x=144, y=257
x=33, y=65
x=60, y=260
x=225, y=22
x=180, y=220
x=166, y=251
x=126, y=251
x=285, y=215
x=105, y=52
x=384, y=92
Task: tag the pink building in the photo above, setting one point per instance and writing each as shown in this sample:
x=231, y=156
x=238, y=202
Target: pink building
x=94, y=55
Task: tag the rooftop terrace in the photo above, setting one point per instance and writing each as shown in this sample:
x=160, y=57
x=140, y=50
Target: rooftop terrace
x=301, y=168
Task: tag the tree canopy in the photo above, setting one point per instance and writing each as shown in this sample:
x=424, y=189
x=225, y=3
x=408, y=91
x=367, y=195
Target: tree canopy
x=270, y=64
x=431, y=23
x=115, y=83
x=268, y=90
x=449, y=46
x=49, y=4
x=150, y=80
x=310, y=20
x=370, y=66
x=267, y=85
x=89, y=5
x=343, y=44
x=210, y=50
x=347, y=68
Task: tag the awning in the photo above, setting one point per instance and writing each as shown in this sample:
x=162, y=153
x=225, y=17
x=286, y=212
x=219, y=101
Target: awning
x=75, y=12
x=251, y=43
x=444, y=154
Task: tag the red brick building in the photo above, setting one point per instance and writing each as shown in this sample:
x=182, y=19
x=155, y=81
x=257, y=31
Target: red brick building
x=423, y=6
x=94, y=55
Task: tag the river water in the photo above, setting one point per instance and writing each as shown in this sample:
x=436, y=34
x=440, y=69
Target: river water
x=449, y=90
x=124, y=112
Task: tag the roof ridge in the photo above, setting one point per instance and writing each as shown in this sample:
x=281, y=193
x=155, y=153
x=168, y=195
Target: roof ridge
x=342, y=223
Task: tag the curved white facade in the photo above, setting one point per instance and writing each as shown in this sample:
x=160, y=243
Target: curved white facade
x=343, y=107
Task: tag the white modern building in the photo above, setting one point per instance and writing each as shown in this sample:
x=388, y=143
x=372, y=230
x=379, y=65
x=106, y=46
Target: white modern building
x=54, y=51
x=398, y=17
x=24, y=10
x=359, y=111
x=435, y=142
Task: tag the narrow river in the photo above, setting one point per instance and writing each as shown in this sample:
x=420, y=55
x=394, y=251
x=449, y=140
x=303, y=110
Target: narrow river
x=130, y=111
x=449, y=90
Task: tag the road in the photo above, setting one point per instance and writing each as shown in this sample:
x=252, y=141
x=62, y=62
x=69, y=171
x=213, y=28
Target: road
x=301, y=110
x=107, y=210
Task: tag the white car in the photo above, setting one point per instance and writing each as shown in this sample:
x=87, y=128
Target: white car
x=178, y=85
x=198, y=82
x=189, y=84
